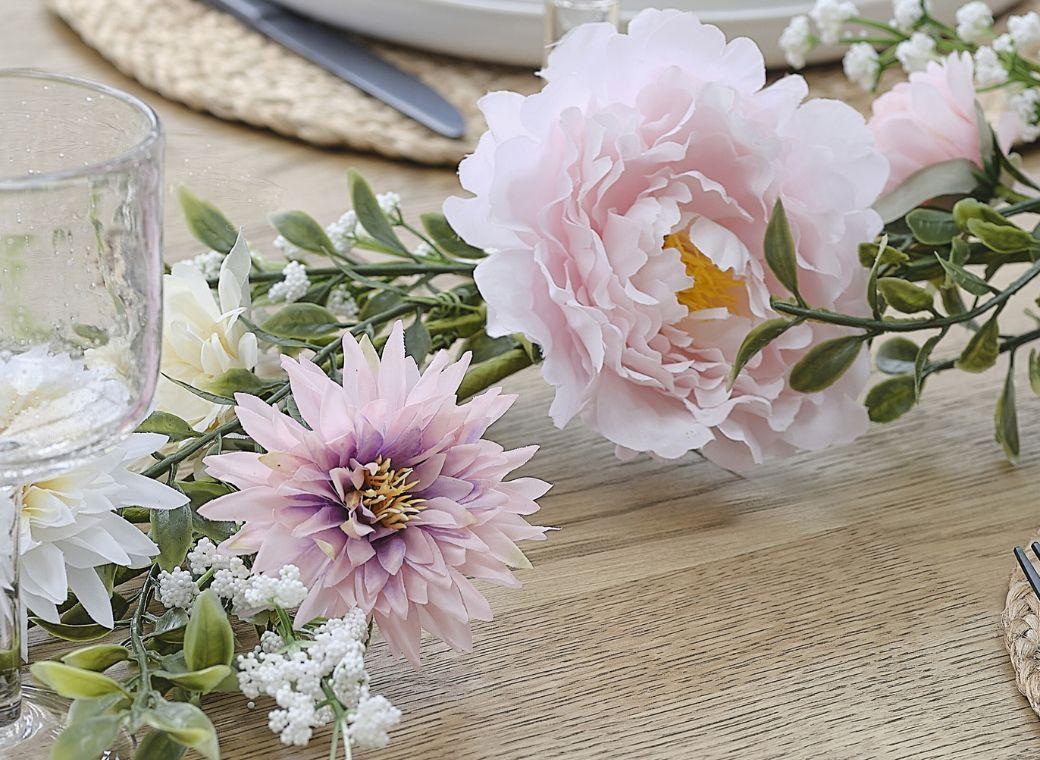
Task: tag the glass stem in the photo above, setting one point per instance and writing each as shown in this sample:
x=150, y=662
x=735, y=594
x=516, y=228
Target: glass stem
x=10, y=607
x=563, y=15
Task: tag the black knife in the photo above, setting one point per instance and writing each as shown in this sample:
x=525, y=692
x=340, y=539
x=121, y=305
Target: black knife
x=347, y=58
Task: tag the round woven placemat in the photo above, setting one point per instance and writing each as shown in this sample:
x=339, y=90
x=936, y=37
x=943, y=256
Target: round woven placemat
x=1021, y=620
x=208, y=60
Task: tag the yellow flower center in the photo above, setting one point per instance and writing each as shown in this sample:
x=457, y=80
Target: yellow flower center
x=387, y=493
x=712, y=287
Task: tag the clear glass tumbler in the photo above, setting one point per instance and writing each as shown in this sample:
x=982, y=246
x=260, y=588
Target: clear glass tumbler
x=563, y=15
x=80, y=306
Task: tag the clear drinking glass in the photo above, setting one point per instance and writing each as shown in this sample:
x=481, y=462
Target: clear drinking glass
x=563, y=15
x=80, y=306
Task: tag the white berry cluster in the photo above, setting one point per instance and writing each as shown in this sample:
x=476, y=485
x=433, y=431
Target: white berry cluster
x=293, y=287
x=289, y=250
x=343, y=232
x=1026, y=106
x=861, y=65
x=907, y=13
x=209, y=264
x=915, y=53
x=389, y=203
x=176, y=588
x=341, y=303
x=974, y=21
x=300, y=675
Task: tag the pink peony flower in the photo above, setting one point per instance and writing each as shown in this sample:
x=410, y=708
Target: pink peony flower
x=928, y=120
x=626, y=205
x=391, y=500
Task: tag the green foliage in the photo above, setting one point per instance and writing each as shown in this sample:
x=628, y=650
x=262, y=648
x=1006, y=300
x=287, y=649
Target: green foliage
x=417, y=340
x=186, y=724
x=958, y=275
x=72, y=632
x=897, y=356
x=891, y=398
x=239, y=380
x=158, y=745
x=371, y=216
x=904, y=296
x=74, y=683
x=780, y=251
x=1034, y=371
x=301, y=321
x=86, y=739
x=932, y=226
x=171, y=531
x=759, y=337
x=982, y=350
x=203, y=681
x=207, y=224
x=170, y=425
x=208, y=639
x=967, y=209
x=1002, y=238
x=98, y=657
x=1005, y=417
x=448, y=239
x=303, y=231
x=824, y=364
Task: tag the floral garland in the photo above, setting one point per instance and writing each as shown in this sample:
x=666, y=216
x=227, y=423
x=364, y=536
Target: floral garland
x=695, y=261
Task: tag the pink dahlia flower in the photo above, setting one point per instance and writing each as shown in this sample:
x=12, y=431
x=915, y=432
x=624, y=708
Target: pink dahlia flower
x=930, y=119
x=388, y=499
x=626, y=205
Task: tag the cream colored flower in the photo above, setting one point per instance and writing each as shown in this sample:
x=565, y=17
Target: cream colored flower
x=203, y=337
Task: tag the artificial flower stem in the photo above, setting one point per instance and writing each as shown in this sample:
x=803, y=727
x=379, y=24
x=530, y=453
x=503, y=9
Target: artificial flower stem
x=137, y=642
x=909, y=325
x=1011, y=344
x=389, y=269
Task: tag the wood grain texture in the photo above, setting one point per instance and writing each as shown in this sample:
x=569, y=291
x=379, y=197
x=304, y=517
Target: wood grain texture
x=842, y=605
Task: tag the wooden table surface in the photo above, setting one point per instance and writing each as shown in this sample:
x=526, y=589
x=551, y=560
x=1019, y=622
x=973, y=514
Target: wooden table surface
x=842, y=605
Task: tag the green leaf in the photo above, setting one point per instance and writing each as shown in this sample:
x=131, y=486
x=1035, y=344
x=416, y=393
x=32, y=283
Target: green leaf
x=206, y=395
x=206, y=223
x=825, y=363
x=448, y=239
x=960, y=251
x=301, y=321
x=417, y=340
x=94, y=707
x=1005, y=417
x=171, y=531
x=187, y=725
x=960, y=276
x=932, y=226
x=275, y=339
x=1001, y=238
x=86, y=739
x=494, y=370
x=982, y=350
x=952, y=301
x=379, y=302
x=170, y=425
x=896, y=356
x=921, y=361
x=204, y=681
x=238, y=380
x=780, y=250
x=74, y=683
x=967, y=209
x=170, y=625
x=98, y=657
x=956, y=176
x=202, y=492
x=1034, y=371
x=208, y=639
x=301, y=230
x=759, y=337
x=370, y=215
x=891, y=398
x=869, y=252
x=71, y=632
x=484, y=347
x=904, y=296
x=158, y=745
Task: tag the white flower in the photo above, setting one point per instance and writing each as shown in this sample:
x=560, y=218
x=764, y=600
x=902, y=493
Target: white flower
x=69, y=527
x=389, y=202
x=796, y=41
x=209, y=264
x=1026, y=106
x=989, y=71
x=290, y=251
x=343, y=232
x=1025, y=31
x=915, y=53
x=203, y=338
x=830, y=16
x=176, y=588
x=374, y=717
x=293, y=287
x=342, y=303
x=1004, y=44
x=974, y=21
x=861, y=65
x=906, y=13
x=261, y=592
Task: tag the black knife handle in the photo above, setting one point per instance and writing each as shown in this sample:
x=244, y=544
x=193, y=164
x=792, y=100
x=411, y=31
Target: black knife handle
x=249, y=11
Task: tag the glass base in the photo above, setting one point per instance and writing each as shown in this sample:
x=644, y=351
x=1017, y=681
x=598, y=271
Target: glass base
x=33, y=734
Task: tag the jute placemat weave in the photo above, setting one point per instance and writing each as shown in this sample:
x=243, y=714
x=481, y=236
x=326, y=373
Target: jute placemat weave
x=208, y=60
x=1021, y=620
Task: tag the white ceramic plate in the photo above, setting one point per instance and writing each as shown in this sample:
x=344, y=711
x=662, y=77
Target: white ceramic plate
x=510, y=31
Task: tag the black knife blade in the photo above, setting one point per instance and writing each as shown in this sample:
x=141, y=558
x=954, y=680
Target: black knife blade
x=341, y=54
